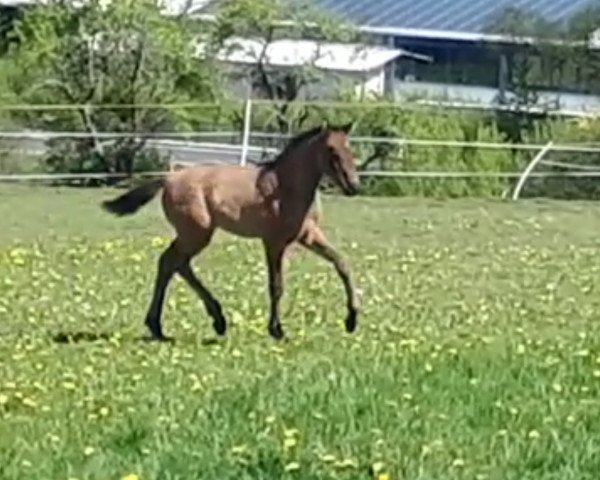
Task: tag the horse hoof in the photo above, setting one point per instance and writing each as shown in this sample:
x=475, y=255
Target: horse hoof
x=220, y=327
x=351, y=321
x=276, y=332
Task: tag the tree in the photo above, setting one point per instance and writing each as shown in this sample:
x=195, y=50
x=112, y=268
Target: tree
x=562, y=57
x=126, y=54
x=267, y=21
x=534, y=62
x=583, y=30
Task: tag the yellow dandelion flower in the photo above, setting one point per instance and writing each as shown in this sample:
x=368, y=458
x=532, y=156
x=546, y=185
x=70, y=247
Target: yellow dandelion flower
x=383, y=476
x=270, y=419
x=289, y=443
x=557, y=388
x=236, y=353
x=328, y=458
x=131, y=476
x=292, y=467
x=239, y=449
x=158, y=242
x=346, y=463
x=28, y=402
x=88, y=451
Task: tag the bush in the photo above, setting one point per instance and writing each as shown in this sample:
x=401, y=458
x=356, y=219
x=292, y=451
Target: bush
x=77, y=157
x=584, y=131
x=421, y=124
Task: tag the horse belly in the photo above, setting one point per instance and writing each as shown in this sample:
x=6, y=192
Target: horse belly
x=249, y=226
x=250, y=220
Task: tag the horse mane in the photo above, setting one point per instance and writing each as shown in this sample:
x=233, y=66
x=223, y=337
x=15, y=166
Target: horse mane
x=292, y=144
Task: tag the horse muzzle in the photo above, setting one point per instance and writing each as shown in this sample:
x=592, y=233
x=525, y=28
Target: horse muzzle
x=352, y=188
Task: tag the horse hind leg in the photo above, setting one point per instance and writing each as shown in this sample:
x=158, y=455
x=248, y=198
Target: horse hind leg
x=212, y=305
x=177, y=259
x=168, y=263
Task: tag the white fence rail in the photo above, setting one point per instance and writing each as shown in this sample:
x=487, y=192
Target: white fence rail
x=183, y=151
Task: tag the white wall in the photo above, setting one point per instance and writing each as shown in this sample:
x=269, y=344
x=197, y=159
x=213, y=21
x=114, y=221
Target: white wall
x=372, y=83
x=487, y=95
x=331, y=82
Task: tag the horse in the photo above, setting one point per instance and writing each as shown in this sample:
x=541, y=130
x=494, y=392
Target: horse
x=271, y=201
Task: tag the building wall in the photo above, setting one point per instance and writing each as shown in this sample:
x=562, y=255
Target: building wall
x=474, y=72
x=329, y=85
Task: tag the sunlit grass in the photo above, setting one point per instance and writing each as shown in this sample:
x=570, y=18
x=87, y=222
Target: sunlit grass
x=477, y=355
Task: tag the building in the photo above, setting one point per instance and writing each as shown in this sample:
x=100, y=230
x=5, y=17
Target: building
x=469, y=63
x=365, y=70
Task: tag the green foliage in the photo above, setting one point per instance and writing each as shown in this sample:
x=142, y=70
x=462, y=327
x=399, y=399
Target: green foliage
x=580, y=132
x=397, y=123
x=477, y=355
x=562, y=57
x=260, y=20
x=126, y=54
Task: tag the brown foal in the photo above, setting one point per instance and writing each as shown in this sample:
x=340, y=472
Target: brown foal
x=272, y=202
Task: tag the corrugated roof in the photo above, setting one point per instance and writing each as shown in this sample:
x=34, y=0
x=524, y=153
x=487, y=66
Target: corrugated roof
x=469, y=16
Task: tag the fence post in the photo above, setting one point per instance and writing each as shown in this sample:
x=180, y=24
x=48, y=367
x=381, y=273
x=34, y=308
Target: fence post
x=246, y=132
x=534, y=162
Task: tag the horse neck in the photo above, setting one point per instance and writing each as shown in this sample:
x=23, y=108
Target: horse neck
x=299, y=174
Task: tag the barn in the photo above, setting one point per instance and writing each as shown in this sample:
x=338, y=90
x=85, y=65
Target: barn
x=366, y=71
x=470, y=62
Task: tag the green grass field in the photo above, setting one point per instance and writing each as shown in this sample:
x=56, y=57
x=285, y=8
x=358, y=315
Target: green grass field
x=477, y=354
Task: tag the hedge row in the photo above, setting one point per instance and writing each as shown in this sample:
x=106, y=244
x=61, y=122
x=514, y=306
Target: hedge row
x=442, y=125
x=374, y=120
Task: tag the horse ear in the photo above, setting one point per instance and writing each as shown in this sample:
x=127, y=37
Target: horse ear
x=347, y=128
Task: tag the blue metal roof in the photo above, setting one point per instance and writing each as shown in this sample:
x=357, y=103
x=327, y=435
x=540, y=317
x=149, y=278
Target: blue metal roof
x=468, y=16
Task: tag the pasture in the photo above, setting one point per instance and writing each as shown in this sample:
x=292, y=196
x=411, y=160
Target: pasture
x=477, y=354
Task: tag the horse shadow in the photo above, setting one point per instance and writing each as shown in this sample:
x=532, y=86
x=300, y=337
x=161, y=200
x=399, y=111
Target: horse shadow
x=78, y=337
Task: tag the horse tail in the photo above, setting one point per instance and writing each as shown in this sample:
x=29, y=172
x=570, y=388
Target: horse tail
x=132, y=200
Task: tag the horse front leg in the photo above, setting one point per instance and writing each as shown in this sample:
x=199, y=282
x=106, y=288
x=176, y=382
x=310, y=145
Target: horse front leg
x=274, y=255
